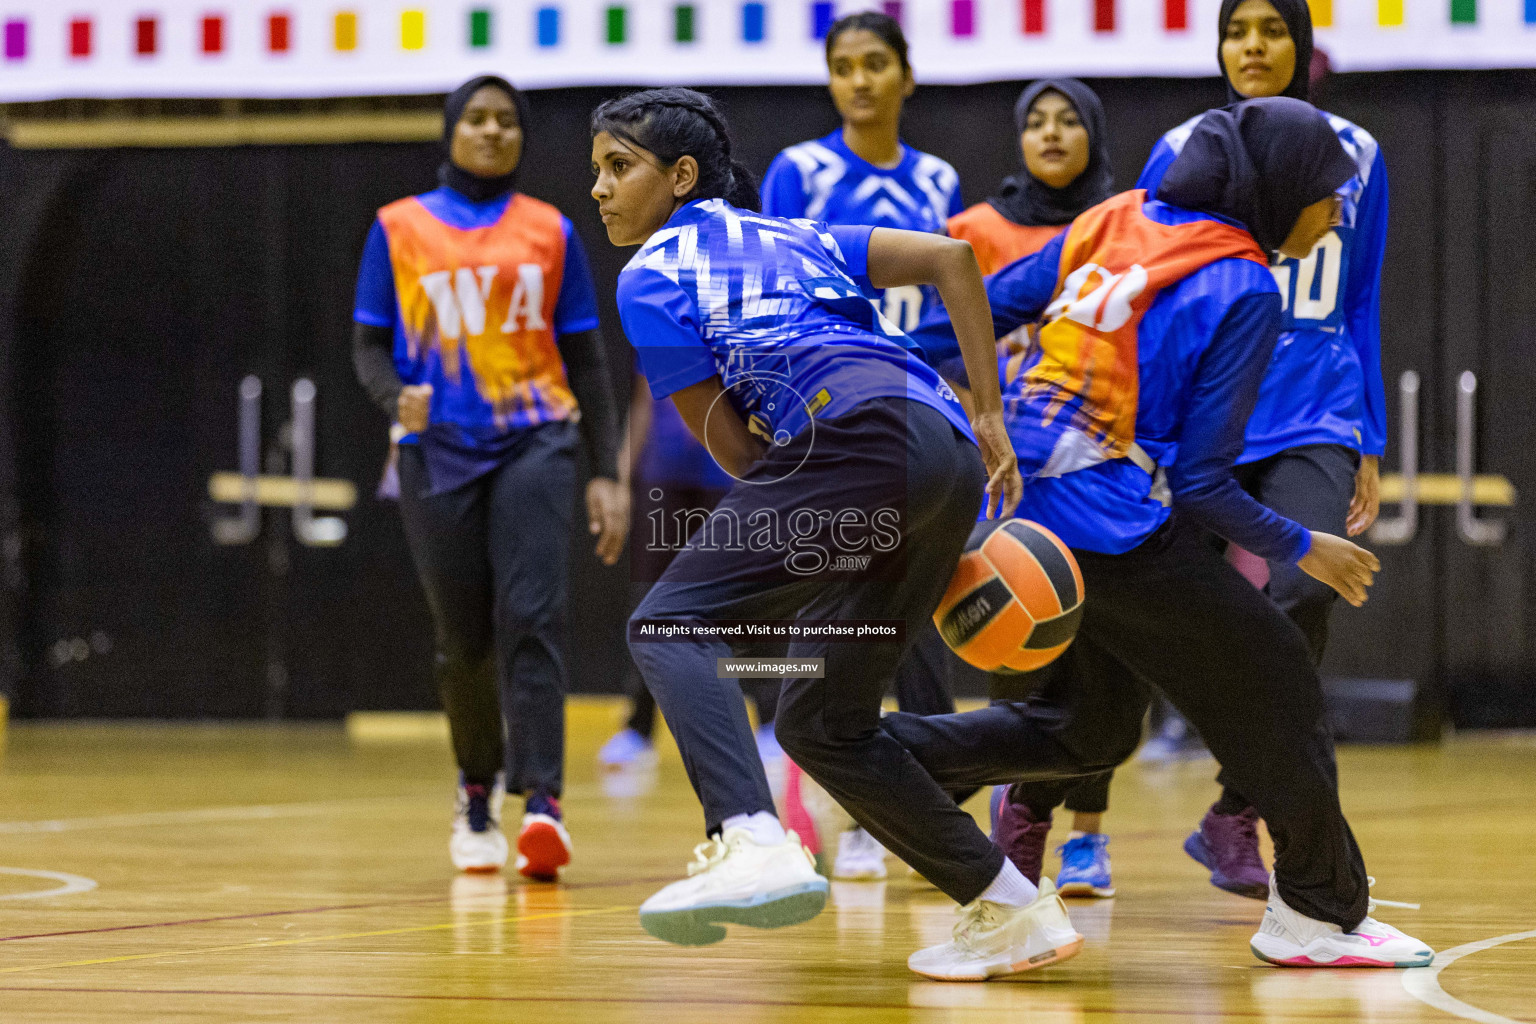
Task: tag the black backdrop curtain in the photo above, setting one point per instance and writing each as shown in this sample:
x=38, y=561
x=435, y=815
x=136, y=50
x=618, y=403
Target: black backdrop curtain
x=139, y=286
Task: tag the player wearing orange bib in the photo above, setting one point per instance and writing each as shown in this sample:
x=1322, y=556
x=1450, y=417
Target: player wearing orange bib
x=1160, y=316
x=1065, y=147
x=477, y=331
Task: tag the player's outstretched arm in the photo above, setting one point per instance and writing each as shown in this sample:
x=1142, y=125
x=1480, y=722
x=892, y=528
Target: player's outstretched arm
x=898, y=258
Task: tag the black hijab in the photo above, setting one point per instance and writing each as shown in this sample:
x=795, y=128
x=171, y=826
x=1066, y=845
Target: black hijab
x=1298, y=19
x=1025, y=199
x=472, y=186
x=1260, y=163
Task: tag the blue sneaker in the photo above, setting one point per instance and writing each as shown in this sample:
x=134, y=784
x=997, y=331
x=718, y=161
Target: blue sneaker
x=1085, y=867
x=626, y=749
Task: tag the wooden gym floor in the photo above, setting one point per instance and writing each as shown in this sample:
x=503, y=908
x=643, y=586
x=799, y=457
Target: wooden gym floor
x=181, y=874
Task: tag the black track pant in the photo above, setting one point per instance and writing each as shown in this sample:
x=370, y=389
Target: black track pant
x=650, y=554
x=1312, y=485
x=492, y=556
x=1173, y=613
x=885, y=451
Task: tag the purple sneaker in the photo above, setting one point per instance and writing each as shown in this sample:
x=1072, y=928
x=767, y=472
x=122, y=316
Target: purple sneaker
x=1022, y=838
x=1228, y=844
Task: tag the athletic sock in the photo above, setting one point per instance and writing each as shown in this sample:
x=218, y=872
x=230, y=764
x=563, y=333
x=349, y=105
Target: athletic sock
x=1010, y=888
x=542, y=803
x=765, y=828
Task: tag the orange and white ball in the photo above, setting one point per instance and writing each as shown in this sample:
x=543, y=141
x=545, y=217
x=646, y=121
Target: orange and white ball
x=1015, y=600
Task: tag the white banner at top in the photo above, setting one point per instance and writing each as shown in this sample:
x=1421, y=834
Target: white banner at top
x=276, y=48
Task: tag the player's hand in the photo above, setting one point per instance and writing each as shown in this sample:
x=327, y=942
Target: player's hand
x=608, y=517
x=1344, y=566
x=1366, y=503
x=1004, y=485
x=414, y=407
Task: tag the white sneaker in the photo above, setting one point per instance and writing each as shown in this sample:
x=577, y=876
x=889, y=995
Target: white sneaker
x=1289, y=939
x=992, y=939
x=860, y=857
x=736, y=880
x=476, y=843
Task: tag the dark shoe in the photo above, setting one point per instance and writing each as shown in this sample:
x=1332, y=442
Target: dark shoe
x=1021, y=837
x=1228, y=845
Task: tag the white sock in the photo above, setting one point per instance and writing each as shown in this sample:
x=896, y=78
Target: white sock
x=765, y=828
x=1010, y=887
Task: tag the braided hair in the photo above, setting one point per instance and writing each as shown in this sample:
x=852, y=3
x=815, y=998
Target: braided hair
x=673, y=123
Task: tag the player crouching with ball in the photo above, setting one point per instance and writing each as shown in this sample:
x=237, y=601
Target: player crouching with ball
x=759, y=330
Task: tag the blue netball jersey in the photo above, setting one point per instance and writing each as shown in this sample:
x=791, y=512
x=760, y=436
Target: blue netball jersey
x=1202, y=347
x=1324, y=382
x=824, y=180
x=776, y=308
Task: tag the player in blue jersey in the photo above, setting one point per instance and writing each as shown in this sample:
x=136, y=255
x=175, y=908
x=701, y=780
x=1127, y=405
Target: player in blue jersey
x=863, y=173
x=477, y=331
x=1319, y=428
x=1159, y=320
x=1312, y=444
x=859, y=479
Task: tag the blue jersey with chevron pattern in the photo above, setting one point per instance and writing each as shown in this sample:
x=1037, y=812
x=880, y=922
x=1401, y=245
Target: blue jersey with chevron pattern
x=1324, y=382
x=824, y=180
x=777, y=309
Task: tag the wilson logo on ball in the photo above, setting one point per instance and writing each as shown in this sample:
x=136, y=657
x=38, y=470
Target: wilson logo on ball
x=1015, y=600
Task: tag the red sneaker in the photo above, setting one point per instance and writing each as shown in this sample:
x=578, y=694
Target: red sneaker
x=543, y=845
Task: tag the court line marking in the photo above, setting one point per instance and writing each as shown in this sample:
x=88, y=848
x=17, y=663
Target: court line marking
x=237, y=812
x=408, y=901
x=1424, y=983
x=72, y=884
x=637, y=1000
x=307, y=940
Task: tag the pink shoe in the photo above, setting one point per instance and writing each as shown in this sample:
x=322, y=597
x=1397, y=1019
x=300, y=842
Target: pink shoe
x=796, y=817
x=1288, y=938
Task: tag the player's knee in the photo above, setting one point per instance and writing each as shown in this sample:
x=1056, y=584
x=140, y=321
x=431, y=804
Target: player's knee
x=801, y=731
x=539, y=613
x=1122, y=745
x=1112, y=735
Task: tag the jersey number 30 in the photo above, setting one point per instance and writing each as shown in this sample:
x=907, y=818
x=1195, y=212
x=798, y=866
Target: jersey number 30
x=1319, y=274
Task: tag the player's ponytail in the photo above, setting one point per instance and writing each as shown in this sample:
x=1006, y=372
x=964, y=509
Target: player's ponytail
x=743, y=191
x=674, y=122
